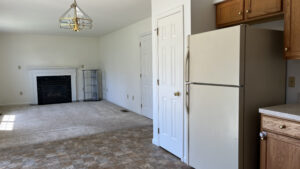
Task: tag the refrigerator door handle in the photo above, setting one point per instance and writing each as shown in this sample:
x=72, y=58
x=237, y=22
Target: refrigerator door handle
x=187, y=98
x=187, y=66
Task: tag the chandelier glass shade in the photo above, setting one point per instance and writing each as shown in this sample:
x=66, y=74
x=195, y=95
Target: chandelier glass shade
x=75, y=19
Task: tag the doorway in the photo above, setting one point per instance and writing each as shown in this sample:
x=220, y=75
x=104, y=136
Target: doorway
x=170, y=51
x=146, y=76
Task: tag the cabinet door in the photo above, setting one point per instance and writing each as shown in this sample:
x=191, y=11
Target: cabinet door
x=280, y=152
x=257, y=8
x=230, y=12
x=292, y=29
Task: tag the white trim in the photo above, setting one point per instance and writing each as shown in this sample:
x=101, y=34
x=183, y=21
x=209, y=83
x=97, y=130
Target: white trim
x=40, y=72
x=16, y=104
x=30, y=68
x=167, y=13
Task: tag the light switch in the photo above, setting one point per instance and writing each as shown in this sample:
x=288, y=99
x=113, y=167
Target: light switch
x=292, y=81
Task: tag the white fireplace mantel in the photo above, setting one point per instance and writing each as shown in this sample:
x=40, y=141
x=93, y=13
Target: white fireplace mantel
x=41, y=72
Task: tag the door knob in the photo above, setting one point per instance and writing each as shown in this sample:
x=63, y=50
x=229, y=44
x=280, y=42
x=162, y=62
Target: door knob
x=177, y=94
x=263, y=135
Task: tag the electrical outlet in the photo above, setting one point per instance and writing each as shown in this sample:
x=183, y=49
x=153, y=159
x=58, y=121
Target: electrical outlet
x=292, y=82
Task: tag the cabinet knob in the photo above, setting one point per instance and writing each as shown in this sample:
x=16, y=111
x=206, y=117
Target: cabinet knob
x=248, y=11
x=240, y=13
x=286, y=49
x=263, y=135
x=282, y=126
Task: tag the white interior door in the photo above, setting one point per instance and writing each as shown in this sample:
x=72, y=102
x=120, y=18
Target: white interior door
x=146, y=76
x=170, y=89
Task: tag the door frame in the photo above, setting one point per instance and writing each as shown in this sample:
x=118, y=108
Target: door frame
x=141, y=64
x=155, y=66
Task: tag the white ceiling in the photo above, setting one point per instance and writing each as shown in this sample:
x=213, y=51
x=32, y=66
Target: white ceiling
x=41, y=16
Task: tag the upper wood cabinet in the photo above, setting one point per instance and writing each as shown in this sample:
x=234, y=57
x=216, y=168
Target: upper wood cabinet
x=292, y=29
x=258, y=8
x=230, y=11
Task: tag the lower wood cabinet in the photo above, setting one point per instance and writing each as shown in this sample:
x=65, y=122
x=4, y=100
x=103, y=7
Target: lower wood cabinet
x=280, y=144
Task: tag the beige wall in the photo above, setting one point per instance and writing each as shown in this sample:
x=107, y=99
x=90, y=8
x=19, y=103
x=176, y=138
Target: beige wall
x=40, y=51
x=120, y=63
x=116, y=53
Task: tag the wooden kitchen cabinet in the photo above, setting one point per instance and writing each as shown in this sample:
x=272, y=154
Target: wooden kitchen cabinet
x=230, y=12
x=280, y=144
x=262, y=8
x=292, y=29
x=233, y=12
x=280, y=152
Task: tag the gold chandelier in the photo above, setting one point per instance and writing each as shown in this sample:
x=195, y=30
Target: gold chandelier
x=75, y=19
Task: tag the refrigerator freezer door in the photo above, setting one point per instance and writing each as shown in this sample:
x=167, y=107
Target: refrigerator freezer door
x=216, y=57
x=214, y=127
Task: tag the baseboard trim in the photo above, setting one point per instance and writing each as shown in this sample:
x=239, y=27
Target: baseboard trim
x=33, y=104
x=15, y=104
x=185, y=160
x=155, y=141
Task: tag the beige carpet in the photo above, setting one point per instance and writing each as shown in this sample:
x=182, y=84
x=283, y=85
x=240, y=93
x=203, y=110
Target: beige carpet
x=38, y=124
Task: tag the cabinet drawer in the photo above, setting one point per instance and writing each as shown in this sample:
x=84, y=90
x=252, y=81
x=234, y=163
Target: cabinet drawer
x=281, y=126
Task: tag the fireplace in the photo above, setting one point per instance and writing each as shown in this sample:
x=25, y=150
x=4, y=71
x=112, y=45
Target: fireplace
x=54, y=89
x=49, y=72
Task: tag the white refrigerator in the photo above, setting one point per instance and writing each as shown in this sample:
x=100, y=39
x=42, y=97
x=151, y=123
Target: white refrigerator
x=232, y=72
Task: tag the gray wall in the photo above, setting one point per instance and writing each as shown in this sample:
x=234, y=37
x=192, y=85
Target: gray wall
x=293, y=66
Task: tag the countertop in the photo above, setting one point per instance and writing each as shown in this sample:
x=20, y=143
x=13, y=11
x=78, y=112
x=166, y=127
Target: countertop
x=287, y=111
x=218, y=1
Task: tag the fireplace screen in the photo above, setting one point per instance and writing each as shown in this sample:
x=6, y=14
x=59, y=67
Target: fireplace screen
x=54, y=89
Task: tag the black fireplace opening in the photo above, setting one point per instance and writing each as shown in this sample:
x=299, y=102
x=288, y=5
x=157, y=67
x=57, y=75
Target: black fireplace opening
x=54, y=89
